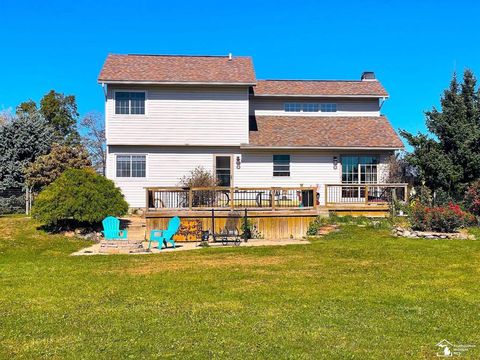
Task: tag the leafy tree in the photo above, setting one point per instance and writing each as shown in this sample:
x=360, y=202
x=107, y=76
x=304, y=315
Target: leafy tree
x=80, y=196
x=94, y=139
x=22, y=140
x=450, y=159
x=26, y=107
x=61, y=113
x=47, y=168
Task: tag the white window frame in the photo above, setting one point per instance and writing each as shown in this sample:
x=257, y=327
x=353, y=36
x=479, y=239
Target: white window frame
x=289, y=166
x=358, y=171
x=129, y=90
x=296, y=107
x=231, y=166
x=131, y=178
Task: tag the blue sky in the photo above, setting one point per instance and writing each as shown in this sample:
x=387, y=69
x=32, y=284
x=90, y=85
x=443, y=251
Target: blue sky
x=413, y=47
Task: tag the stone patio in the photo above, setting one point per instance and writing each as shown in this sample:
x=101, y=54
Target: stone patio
x=140, y=248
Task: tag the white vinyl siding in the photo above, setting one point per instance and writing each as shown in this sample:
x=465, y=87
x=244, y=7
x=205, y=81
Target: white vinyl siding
x=131, y=166
x=181, y=115
x=308, y=107
x=167, y=165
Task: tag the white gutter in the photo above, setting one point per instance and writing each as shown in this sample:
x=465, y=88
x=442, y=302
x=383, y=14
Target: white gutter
x=256, y=147
x=382, y=101
x=320, y=95
x=174, y=82
x=104, y=87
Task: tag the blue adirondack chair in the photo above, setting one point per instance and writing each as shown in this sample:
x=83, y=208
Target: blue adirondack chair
x=111, y=229
x=165, y=236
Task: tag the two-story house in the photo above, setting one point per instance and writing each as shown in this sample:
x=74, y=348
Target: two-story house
x=166, y=115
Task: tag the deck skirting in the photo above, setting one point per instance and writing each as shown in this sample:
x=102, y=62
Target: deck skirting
x=270, y=224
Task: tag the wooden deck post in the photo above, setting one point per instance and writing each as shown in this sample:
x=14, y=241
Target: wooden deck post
x=326, y=194
x=314, y=198
x=232, y=205
x=272, y=195
x=366, y=194
x=147, y=200
x=190, y=198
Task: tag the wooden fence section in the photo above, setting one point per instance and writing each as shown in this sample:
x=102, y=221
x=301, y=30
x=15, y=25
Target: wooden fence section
x=365, y=194
x=226, y=198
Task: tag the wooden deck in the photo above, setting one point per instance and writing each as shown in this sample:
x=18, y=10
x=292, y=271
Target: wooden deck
x=276, y=213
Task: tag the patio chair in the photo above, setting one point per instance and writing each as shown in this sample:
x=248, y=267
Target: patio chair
x=111, y=229
x=165, y=236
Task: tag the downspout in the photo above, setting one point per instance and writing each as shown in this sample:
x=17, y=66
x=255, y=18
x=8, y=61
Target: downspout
x=382, y=101
x=104, y=87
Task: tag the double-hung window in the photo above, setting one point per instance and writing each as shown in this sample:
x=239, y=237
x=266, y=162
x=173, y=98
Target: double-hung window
x=130, y=102
x=281, y=165
x=131, y=166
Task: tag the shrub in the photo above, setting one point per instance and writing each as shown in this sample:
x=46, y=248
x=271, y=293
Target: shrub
x=445, y=219
x=250, y=229
x=316, y=224
x=12, y=205
x=423, y=195
x=79, y=196
x=472, y=198
x=441, y=218
x=419, y=217
x=198, y=177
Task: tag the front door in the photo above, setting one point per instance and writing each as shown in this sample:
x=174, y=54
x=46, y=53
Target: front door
x=223, y=170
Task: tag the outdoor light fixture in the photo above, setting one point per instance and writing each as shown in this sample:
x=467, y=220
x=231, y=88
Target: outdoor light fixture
x=238, y=162
x=335, y=162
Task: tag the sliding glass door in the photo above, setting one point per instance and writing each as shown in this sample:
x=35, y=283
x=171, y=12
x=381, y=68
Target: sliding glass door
x=358, y=170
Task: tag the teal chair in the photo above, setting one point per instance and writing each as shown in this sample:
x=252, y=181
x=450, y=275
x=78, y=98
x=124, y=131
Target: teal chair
x=165, y=236
x=111, y=229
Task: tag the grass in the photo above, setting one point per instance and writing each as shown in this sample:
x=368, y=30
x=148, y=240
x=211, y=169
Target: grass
x=356, y=294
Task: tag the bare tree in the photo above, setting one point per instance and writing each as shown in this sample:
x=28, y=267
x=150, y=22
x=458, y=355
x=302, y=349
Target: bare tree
x=94, y=139
x=399, y=171
x=6, y=116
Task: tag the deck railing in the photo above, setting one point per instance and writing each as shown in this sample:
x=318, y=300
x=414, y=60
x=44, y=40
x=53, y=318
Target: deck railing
x=231, y=198
x=364, y=194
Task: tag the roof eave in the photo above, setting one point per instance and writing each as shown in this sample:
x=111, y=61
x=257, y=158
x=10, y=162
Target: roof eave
x=327, y=96
x=259, y=147
x=147, y=82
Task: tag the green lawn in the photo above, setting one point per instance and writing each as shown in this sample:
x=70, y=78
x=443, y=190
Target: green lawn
x=356, y=294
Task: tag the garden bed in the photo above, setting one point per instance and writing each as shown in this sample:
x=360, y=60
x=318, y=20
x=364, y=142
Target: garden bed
x=404, y=232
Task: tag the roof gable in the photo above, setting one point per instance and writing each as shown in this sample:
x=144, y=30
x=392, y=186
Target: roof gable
x=177, y=69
